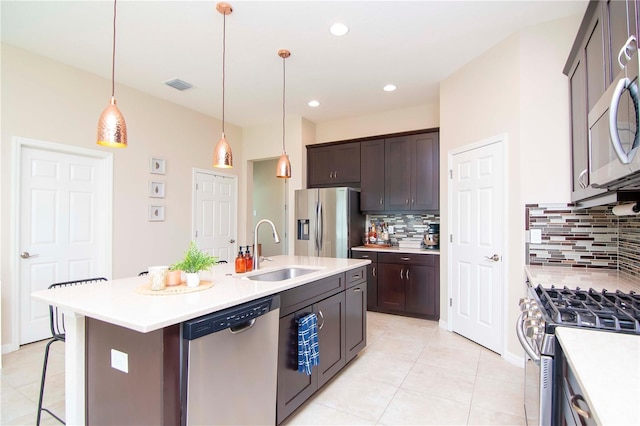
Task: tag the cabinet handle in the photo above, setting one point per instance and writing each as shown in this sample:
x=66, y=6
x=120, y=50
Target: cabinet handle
x=407, y=274
x=413, y=201
x=357, y=276
x=407, y=202
x=381, y=200
x=374, y=271
x=574, y=404
x=401, y=271
x=357, y=290
x=581, y=180
x=322, y=318
x=364, y=256
x=405, y=258
x=625, y=51
x=335, y=175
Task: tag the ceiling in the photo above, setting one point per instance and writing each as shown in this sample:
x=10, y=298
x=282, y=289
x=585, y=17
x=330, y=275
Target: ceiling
x=413, y=45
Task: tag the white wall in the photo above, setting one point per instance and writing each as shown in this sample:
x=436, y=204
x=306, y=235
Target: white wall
x=48, y=101
x=420, y=117
x=517, y=88
x=268, y=203
x=265, y=142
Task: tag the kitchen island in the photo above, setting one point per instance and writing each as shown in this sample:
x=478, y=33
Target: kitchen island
x=118, y=304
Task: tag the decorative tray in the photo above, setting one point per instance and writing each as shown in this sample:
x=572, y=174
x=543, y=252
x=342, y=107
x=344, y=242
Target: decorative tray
x=173, y=289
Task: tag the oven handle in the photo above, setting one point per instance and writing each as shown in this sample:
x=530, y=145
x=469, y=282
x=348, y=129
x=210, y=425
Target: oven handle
x=523, y=340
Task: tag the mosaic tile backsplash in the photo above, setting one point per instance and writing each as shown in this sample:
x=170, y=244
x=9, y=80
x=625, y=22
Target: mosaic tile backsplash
x=406, y=225
x=589, y=238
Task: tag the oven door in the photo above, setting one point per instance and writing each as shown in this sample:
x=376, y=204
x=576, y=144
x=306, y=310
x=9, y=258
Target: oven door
x=614, y=138
x=538, y=380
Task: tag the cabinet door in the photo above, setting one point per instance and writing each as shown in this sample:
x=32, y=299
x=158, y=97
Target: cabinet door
x=595, y=60
x=579, y=140
x=372, y=286
x=356, y=323
x=397, y=173
x=345, y=160
x=319, y=170
x=331, y=336
x=391, y=287
x=372, y=175
x=421, y=290
x=425, y=167
x=293, y=388
x=621, y=24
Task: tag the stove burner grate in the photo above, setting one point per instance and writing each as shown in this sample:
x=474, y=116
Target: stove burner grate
x=603, y=310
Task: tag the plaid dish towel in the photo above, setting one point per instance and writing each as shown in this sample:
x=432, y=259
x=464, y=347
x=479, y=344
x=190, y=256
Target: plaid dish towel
x=308, y=349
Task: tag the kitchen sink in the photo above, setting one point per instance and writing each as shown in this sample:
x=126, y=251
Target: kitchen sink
x=281, y=274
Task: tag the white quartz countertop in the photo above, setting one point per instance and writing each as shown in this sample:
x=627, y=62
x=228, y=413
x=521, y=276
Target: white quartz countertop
x=597, y=279
x=607, y=367
x=396, y=249
x=117, y=302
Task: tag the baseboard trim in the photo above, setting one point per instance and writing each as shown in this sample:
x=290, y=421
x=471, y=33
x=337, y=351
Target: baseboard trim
x=443, y=324
x=10, y=347
x=517, y=360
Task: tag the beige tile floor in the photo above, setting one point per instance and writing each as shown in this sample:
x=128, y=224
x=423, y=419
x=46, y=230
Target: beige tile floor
x=411, y=373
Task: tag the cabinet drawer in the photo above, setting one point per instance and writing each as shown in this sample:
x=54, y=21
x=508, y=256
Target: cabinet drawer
x=408, y=258
x=356, y=276
x=306, y=294
x=371, y=255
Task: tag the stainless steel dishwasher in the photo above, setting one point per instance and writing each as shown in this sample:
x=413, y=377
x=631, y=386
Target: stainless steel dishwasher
x=229, y=368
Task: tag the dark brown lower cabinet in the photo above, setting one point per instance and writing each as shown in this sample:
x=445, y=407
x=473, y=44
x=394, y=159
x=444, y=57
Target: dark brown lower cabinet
x=356, y=311
x=372, y=276
x=409, y=284
x=341, y=335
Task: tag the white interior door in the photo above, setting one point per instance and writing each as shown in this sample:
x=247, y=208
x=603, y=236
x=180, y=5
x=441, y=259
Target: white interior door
x=477, y=228
x=215, y=214
x=62, y=215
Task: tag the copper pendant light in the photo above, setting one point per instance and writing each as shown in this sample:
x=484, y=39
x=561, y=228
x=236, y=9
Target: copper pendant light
x=222, y=156
x=112, y=129
x=283, y=169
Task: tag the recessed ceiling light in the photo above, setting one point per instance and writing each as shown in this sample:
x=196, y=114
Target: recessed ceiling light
x=313, y=104
x=339, y=29
x=389, y=88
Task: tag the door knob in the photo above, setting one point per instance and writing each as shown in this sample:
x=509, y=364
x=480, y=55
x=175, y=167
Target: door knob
x=26, y=255
x=495, y=257
x=231, y=241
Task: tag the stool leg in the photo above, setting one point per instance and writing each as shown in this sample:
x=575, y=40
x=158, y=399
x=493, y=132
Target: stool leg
x=44, y=375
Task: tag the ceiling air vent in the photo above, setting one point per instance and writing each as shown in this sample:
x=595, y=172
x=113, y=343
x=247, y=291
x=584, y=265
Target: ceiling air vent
x=176, y=83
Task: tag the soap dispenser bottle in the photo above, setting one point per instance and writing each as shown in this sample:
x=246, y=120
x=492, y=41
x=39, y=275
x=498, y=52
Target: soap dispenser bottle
x=240, y=263
x=248, y=259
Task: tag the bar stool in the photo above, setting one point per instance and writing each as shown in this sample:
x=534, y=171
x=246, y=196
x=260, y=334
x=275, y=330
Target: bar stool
x=56, y=321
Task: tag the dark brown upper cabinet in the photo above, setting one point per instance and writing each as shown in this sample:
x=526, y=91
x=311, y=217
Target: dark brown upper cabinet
x=591, y=67
x=333, y=165
x=412, y=173
x=372, y=176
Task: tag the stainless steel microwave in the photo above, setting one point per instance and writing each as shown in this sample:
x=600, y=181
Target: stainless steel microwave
x=614, y=138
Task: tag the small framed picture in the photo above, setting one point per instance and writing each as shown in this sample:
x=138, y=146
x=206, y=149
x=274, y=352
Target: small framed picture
x=156, y=213
x=157, y=166
x=156, y=189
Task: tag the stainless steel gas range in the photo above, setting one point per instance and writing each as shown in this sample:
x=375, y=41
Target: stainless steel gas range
x=542, y=311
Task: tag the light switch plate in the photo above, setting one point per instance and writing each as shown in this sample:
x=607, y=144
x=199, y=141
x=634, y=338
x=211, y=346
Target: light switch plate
x=120, y=360
x=536, y=236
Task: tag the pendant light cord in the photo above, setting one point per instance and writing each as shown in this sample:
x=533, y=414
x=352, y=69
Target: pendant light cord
x=113, y=53
x=224, y=44
x=284, y=83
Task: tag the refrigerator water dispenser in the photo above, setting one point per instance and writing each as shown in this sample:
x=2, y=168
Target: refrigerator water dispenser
x=303, y=229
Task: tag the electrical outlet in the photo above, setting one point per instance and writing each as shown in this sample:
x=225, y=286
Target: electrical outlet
x=120, y=361
x=536, y=236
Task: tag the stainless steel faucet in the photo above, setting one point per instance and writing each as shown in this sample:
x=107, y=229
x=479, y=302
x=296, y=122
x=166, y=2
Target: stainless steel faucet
x=276, y=237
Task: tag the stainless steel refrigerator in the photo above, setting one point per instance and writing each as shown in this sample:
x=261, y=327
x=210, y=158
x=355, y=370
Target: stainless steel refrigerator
x=328, y=222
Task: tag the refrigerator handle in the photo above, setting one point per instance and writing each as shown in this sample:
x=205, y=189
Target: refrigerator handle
x=315, y=234
x=321, y=223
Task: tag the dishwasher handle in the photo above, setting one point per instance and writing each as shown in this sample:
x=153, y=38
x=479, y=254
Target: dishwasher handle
x=242, y=327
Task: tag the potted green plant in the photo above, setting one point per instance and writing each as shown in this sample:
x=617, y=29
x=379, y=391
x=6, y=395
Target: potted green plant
x=193, y=262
